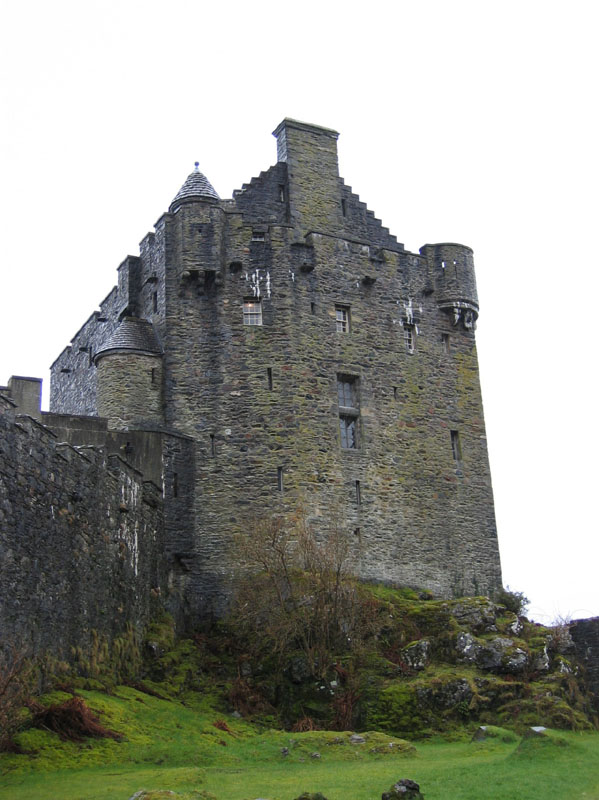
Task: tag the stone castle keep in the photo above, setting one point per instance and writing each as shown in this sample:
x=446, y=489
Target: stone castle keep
x=273, y=351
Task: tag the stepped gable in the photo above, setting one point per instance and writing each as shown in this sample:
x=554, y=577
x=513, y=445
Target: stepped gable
x=264, y=198
x=363, y=221
x=132, y=335
x=196, y=187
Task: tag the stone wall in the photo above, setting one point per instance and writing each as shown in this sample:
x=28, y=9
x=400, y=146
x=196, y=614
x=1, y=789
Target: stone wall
x=585, y=633
x=81, y=540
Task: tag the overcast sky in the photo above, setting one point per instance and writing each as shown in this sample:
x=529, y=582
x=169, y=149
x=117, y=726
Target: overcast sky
x=472, y=122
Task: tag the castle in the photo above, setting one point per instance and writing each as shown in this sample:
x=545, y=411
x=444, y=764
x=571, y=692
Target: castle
x=275, y=350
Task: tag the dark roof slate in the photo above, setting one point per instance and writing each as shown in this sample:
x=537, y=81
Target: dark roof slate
x=133, y=334
x=196, y=187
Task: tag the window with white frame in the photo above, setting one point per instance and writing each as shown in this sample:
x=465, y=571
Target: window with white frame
x=252, y=311
x=410, y=337
x=342, y=319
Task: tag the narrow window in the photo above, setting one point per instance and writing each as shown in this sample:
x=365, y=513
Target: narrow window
x=282, y=192
x=252, y=312
x=349, y=432
x=153, y=374
x=456, y=447
x=258, y=236
x=342, y=319
x=409, y=337
x=175, y=484
x=212, y=445
x=343, y=208
x=346, y=391
x=349, y=411
x=358, y=494
x=313, y=308
x=395, y=392
x=280, y=478
x=155, y=301
x=356, y=532
x=269, y=376
x=445, y=342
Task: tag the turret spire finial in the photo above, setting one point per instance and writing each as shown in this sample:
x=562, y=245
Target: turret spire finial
x=196, y=166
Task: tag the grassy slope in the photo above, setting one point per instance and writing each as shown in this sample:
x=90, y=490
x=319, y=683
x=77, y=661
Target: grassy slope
x=168, y=746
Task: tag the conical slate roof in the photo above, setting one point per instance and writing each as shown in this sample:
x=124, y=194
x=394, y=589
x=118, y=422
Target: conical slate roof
x=196, y=187
x=132, y=335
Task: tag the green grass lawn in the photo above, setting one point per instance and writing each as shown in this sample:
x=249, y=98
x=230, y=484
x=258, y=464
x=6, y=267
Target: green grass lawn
x=169, y=746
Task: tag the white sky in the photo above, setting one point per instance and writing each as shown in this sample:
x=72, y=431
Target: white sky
x=473, y=122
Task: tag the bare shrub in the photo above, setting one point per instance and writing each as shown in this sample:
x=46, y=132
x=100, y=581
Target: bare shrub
x=298, y=593
x=222, y=726
x=304, y=725
x=246, y=699
x=72, y=720
x=561, y=639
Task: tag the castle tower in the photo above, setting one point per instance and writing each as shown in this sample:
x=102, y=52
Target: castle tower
x=130, y=376
x=302, y=358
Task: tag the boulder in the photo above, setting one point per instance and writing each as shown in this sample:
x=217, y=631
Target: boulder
x=480, y=734
x=535, y=730
x=417, y=655
x=492, y=654
x=404, y=789
x=495, y=655
x=516, y=627
x=541, y=661
x=447, y=695
x=308, y=796
x=516, y=661
x=153, y=795
x=476, y=615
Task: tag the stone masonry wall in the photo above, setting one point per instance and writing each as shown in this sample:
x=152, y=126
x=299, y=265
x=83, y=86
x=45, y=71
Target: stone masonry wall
x=73, y=381
x=585, y=633
x=81, y=541
x=258, y=407
x=130, y=389
x=267, y=400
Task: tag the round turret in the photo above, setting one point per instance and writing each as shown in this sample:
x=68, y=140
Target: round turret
x=130, y=376
x=452, y=269
x=196, y=188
